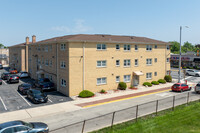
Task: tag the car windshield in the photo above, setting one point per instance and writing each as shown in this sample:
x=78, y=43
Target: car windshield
x=37, y=92
x=27, y=124
x=176, y=84
x=198, y=84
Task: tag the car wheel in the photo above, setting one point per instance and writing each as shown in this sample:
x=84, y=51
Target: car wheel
x=196, y=75
x=187, y=74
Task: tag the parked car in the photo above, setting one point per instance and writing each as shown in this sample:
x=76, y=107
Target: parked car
x=192, y=72
x=0, y=81
x=5, y=75
x=180, y=87
x=197, y=88
x=13, y=71
x=23, y=127
x=44, y=84
x=1, y=66
x=13, y=79
x=37, y=96
x=23, y=88
x=23, y=74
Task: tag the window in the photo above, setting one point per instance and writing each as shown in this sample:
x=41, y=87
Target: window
x=136, y=47
x=101, y=81
x=127, y=78
x=46, y=48
x=46, y=62
x=46, y=76
x=148, y=75
x=39, y=62
x=168, y=47
x=127, y=47
x=101, y=46
x=148, y=47
x=155, y=60
x=168, y=72
x=62, y=46
x=63, y=82
x=127, y=63
x=149, y=61
x=50, y=47
x=50, y=63
x=42, y=60
x=136, y=62
x=29, y=48
x=156, y=46
x=117, y=78
x=117, y=47
x=155, y=73
x=38, y=48
x=21, y=128
x=101, y=63
x=9, y=130
x=117, y=62
x=62, y=64
x=50, y=77
x=167, y=60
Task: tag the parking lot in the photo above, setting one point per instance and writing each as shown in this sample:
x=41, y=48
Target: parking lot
x=11, y=99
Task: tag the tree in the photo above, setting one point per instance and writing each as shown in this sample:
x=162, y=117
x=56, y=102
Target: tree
x=187, y=47
x=2, y=46
x=175, y=47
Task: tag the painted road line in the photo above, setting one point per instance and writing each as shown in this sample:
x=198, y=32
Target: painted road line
x=23, y=98
x=4, y=82
x=123, y=99
x=189, y=77
x=3, y=104
x=49, y=100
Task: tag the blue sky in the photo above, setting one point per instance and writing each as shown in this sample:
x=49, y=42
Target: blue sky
x=157, y=19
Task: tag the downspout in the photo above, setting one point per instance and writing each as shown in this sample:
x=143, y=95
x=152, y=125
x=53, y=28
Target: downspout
x=84, y=65
x=57, y=76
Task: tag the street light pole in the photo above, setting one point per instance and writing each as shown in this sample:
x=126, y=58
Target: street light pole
x=179, y=77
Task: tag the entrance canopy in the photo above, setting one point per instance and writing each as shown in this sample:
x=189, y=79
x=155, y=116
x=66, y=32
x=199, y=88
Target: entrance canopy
x=137, y=73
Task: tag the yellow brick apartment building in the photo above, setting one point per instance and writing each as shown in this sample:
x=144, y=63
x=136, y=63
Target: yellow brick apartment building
x=95, y=62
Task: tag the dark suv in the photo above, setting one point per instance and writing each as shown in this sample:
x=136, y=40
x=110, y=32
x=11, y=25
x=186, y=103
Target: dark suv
x=5, y=75
x=44, y=84
x=37, y=96
x=13, y=79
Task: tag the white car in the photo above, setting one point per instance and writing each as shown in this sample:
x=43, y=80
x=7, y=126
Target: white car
x=23, y=74
x=192, y=72
x=197, y=88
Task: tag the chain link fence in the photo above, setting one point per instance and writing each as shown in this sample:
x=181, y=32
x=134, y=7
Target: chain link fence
x=131, y=113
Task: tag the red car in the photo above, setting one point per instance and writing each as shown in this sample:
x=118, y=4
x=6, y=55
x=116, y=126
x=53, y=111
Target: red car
x=180, y=87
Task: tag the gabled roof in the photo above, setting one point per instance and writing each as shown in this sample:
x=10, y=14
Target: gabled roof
x=101, y=38
x=20, y=45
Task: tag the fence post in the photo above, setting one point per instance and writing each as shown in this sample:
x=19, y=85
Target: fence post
x=113, y=119
x=173, y=103
x=136, y=113
x=188, y=96
x=83, y=126
x=157, y=107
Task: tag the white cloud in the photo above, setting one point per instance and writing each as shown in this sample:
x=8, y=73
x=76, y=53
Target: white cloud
x=78, y=28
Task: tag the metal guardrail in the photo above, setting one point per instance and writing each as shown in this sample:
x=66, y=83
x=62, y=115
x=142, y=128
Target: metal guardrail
x=131, y=113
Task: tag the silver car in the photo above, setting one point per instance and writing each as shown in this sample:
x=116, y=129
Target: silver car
x=197, y=88
x=23, y=127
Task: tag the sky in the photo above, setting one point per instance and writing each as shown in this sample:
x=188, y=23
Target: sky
x=156, y=19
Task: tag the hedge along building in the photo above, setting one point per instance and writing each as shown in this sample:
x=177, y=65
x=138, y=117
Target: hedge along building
x=95, y=62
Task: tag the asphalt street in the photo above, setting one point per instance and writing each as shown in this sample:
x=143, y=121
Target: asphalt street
x=11, y=99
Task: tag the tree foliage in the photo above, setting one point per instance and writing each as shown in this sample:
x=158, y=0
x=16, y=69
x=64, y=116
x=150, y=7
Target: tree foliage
x=2, y=46
x=175, y=47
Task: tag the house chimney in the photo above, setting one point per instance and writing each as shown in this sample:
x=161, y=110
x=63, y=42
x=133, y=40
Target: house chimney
x=27, y=40
x=33, y=39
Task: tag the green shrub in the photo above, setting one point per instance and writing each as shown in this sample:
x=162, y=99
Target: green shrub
x=168, y=78
x=102, y=91
x=147, y=84
x=122, y=85
x=190, y=67
x=162, y=81
x=184, y=67
x=86, y=93
x=195, y=67
x=155, y=82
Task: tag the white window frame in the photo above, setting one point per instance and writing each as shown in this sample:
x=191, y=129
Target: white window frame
x=101, y=63
x=136, y=47
x=127, y=47
x=101, y=47
x=117, y=61
x=155, y=73
x=136, y=62
x=101, y=81
x=149, y=61
x=117, y=79
x=168, y=47
x=148, y=47
x=149, y=75
x=167, y=60
x=63, y=83
x=46, y=62
x=127, y=78
x=155, y=60
x=62, y=46
x=62, y=64
x=117, y=46
x=127, y=63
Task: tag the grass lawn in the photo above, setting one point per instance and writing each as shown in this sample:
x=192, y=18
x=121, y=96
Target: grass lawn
x=185, y=119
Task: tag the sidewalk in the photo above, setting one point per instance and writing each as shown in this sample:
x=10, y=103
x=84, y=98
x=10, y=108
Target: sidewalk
x=78, y=103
